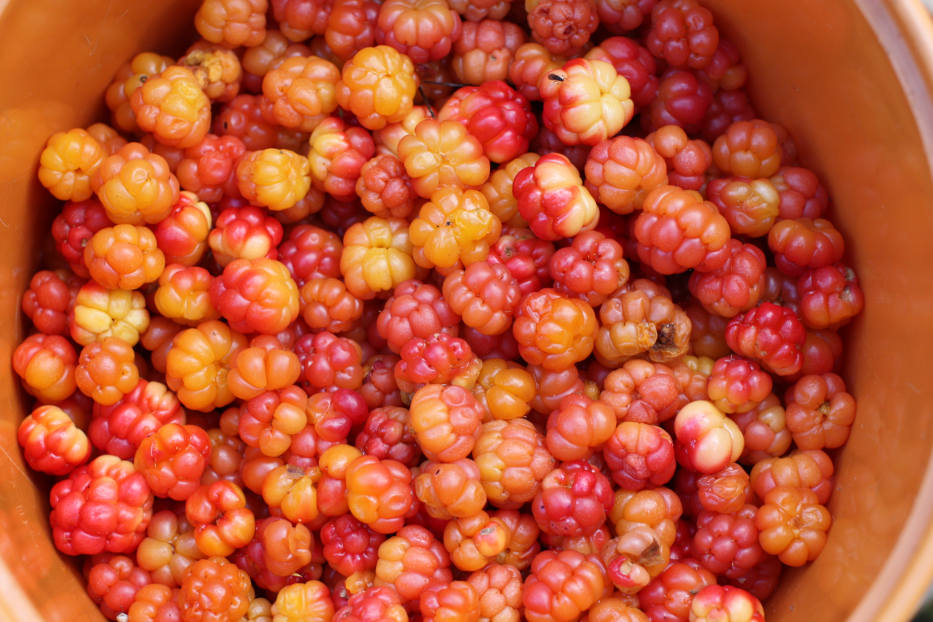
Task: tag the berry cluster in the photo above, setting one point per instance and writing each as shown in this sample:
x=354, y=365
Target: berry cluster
x=444, y=313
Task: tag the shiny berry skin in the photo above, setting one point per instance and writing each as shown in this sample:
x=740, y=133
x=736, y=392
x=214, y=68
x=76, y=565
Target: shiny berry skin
x=68, y=162
x=256, y=295
x=669, y=595
x=154, y=602
x=387, y=434
x=128, y=78
x=553, y=386
x=504, y=389
x=100, y=313
x=574, y=500
x=273, y=178
x=244, y=233
x=615, y=608
x=439, y=154
x=803, y=244
x=642, y=391
x=499, y=117
x=765, y=430
x=376, y=256
x=337, y=154
x=310, y=252
x=113, y=582
x=591, y=268
x=735, y=286
x=724, y=603
x=561, y=586
x=499, y=589
x=792, y=525
x=423, y=30
x=485, y=295
x=232, y=23
x=634, y=558
x=830, y=296
x=263, y=366
x=106, y=370
x=440, y=359
x=73, y=227
x=51, y=441
x=173, y=459
x=327, y=305
x=727, y=544
x=678, y=230
x=819, y=412
x=102, y=506
x=450, y=490
x=135, y=186
x=48, y=300
x=485, y=49
x=415, y=310
x=455, y=602
x=585, y=102
x=351, y=26
x=215, y=590
x=385, y=188
x=197, y=365
x=562, y=26
x=578, y=427
x=512, y=459
x=446, y=421
x=271, y=419
x=728, y=106
x=307, y=602
x=329, y=361
x=526, y=256
x=123, y=257
x=552, y=198
x=46, y=364
x=455, y=228
x=707, y=440
x=631, y=61
x=380, y=602
x=639, y=455
x=173, y=107
x=182, y=295
x=801, y=195
x=379, y=492
x=749, y=206
x=221, y=520
x=168, y=549
x=554, y=331
x=682, y=33
x=529, y=63
x=748, y=149
x=412, y=561
x=683, y=99
x=641, y=318
x=620, y=171
x=119, y=428
x=657, y=508
x=301, y=91
x=810, y=469
x=377, y=85
x=771, y=334
x=737, y=385
x=182, y=235
x=242, y=117
x=688, y=161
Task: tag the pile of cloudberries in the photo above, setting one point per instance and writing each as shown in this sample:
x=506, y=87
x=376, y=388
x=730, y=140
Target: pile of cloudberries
x=437, y=310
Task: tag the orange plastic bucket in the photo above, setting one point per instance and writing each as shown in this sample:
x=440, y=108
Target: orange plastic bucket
x=852, y=80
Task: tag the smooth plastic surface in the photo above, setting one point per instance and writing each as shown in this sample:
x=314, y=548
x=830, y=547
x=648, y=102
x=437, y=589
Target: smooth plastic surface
x=852, y=82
